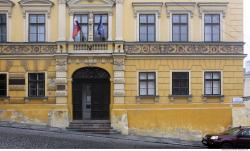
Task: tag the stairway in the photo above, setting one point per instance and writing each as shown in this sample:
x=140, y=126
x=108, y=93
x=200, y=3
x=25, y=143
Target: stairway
x=92, y=126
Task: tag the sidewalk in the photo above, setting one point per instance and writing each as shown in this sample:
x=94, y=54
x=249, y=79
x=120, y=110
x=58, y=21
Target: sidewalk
x=112, y=136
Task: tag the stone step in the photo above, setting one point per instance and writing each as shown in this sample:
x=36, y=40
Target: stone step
x=91, y=121
x=95, y=132
x=92, y=126
x=87, y=126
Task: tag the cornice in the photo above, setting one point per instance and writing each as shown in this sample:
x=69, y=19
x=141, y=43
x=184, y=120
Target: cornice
x=6, y=6
x=36, y=6
x=180, y=7
x=74, y=6
x=213, y=7
x=147, y=7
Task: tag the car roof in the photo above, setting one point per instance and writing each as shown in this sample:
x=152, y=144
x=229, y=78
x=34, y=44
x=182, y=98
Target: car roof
x=243, y=127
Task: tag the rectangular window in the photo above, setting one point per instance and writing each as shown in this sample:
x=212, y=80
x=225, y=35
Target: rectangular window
x=212, y=83
x=180, y=27
x=180, y=83
x=147, y=84
x=37, y=28
x=3, y=85
x=212, y=27
x=83, y=20
x=36, y=84
x=147, y=27
x=3, y=28
x=100, y=27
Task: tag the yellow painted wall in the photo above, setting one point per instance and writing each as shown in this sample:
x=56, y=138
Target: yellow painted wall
x=232, y=76
x=232, y=22
x=17, y=20
x=185, y=121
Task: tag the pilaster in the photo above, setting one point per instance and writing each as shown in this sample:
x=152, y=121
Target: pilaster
x=61, y=79
x=62, y=20
x=91, y=27
x=110, y=27
x=119, y=20
x=119, y=78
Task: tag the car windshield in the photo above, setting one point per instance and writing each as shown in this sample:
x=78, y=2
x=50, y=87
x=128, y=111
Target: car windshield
x=232, y=131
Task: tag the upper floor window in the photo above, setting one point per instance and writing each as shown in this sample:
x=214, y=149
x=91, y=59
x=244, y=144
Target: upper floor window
x=212, y=83
x=3, y=85
x=180, y=83
x=83, y=22
x=147, y=27
x=36, y=84
x=37, y=28
x=212, y=27
x=180, y=27
x=100, y=27
x=147, y=84
x=3, y=28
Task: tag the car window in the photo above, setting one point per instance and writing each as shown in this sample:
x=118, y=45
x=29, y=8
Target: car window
x=245, y=133
x=232, y=131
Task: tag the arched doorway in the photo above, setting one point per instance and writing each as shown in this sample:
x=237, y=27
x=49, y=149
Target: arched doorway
x=91, y=94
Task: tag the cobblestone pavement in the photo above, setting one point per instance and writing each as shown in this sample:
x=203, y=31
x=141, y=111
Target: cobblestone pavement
x=11, y=138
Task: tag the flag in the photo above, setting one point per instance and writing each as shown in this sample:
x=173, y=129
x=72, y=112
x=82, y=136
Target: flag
x=100, y=28
x=76, y=28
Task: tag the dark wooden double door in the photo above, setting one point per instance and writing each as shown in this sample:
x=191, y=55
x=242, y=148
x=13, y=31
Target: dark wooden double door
x=91, y=98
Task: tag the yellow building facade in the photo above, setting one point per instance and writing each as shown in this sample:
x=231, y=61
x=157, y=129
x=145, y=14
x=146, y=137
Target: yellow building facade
x=160, y=68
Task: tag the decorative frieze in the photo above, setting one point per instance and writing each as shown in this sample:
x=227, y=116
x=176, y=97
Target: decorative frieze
x=184, y=48
x=90, y=60
x=6, y=49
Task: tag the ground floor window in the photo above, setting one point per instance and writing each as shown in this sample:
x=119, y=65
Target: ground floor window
x=36, y=84
x=180, y=83
x=147, y=84
x=3, y=85
x=212, y=83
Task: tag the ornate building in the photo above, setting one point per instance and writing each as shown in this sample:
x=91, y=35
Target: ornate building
x=163, y=68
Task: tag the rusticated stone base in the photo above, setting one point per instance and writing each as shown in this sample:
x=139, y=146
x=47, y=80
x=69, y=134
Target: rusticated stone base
x=58, y=118
x=241, y=117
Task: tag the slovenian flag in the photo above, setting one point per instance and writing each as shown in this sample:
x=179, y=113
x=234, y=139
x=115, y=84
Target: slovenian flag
x=76, y=28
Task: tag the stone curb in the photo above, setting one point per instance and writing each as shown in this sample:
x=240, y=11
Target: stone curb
x=112, y=136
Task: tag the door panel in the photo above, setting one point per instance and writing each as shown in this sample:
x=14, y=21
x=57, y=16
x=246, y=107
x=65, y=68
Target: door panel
x=86, y=101
x=100, y=100
x=77, y=102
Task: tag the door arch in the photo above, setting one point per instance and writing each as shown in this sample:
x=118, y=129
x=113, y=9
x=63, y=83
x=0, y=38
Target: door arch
x=91, y=94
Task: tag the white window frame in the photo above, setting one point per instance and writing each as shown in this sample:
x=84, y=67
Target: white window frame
x=7, y=78
x=91, y=32
x=171, y=79
x=221, y=25
x=138, y=81
x=190, y=35
x=221, y=81
x=47, y=25
x=27, y=83
x=8, y=25
x=157, y=24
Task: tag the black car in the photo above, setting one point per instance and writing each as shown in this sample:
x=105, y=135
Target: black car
x=238, y=137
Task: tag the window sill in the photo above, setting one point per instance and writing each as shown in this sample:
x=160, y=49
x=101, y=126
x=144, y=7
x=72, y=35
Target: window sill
x=206, y=97
x=28, y=99
x=153, y=98
x=5, y=99
x=173, y=97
